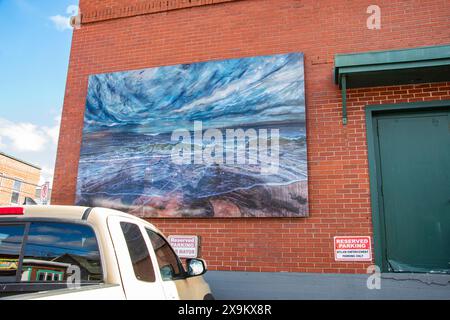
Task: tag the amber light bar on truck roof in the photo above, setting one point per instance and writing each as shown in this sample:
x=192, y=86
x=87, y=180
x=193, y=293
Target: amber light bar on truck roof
x=7, y=211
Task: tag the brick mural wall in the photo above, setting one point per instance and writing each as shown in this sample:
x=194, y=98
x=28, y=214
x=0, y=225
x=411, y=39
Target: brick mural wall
x=113, y=38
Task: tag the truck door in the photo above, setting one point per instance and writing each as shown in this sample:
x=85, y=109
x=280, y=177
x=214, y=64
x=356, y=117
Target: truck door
x=137, y=270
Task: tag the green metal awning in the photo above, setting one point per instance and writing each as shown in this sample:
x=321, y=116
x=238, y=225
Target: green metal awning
x=392, y=67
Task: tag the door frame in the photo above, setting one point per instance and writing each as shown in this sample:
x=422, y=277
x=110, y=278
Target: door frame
x=374, y=171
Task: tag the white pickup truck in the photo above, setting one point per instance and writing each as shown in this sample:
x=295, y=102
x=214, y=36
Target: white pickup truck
x=64, y=252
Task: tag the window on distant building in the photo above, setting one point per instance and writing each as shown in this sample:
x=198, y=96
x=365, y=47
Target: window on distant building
x=16, y=191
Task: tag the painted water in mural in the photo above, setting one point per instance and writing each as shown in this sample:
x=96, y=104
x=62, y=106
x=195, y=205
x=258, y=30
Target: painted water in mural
x=212, y=139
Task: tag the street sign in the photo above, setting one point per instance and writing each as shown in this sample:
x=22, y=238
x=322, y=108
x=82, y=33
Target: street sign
x=185, y=246
x=352, y=248
x=44, y=192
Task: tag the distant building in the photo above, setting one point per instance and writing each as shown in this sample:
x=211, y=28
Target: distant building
x=18, y=179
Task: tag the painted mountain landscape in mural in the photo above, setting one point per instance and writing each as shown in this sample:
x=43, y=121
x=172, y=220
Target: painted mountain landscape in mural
x=212, y=139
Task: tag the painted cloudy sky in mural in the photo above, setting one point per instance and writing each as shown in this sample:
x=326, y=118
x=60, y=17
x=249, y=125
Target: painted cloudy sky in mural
x=126, y=162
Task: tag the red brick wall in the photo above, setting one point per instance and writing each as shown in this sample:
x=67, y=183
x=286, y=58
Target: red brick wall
x=337, y=154
x=94, y=11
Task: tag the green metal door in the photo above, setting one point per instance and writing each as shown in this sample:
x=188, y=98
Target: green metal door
x=414, y=186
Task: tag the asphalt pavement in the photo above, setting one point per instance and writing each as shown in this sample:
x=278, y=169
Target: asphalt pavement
x=312, y=286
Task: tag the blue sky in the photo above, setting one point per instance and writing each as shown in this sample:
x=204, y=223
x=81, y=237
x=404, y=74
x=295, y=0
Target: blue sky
x=35, y=41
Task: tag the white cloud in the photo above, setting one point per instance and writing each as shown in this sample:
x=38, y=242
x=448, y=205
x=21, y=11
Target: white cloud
x=46, y=175
x=22, y=136
x=32, y=143
x=72, y=10
x=61, y=22
x=53, y=132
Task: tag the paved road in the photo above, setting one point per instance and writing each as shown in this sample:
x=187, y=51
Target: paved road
x=273, y=286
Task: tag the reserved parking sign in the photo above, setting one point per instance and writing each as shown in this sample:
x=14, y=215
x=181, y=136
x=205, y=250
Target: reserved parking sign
x=185, y=246
x=352, y=248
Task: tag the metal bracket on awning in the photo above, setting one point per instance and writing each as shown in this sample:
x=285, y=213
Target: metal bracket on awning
x=344, y=99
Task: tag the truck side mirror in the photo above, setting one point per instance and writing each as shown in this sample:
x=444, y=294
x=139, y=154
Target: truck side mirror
x=196, y=267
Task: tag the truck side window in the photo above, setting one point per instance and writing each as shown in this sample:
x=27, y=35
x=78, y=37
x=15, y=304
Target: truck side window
x=52, y=248
x=140, y=257
x=170, y=266
x=11, y=237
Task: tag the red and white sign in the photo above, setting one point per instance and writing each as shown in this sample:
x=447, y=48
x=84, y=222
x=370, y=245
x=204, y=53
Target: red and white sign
x=352, y=248
x=185, y=246
x=44, y=192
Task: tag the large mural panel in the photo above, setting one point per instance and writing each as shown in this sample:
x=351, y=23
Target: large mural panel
x=212, y=139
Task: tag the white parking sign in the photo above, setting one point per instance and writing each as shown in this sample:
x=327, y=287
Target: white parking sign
x=185, y=246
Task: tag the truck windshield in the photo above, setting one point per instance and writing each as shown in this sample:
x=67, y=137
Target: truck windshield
x=48, y=254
